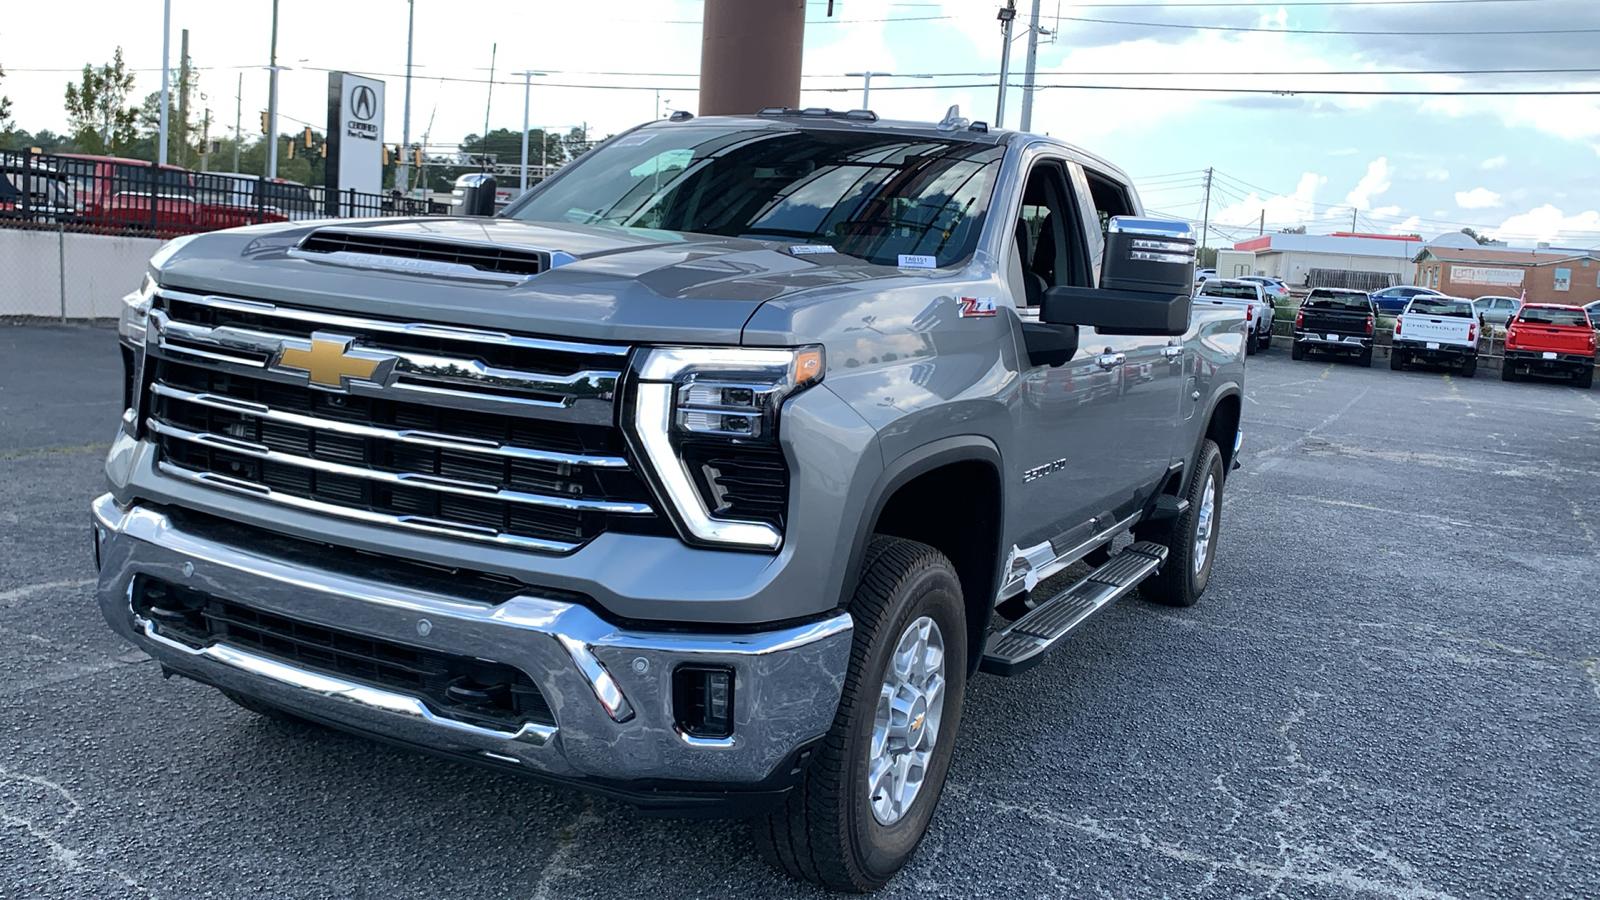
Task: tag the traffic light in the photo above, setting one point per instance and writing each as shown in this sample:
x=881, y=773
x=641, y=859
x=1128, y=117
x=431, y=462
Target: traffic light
x=416, y=156
x=386, y=154
x=308, y=137
x=291, y=149
x=322, y=149
x=263, y=121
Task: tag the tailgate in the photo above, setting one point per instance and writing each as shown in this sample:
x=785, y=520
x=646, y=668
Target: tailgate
x=1443, y=329
x=1333, y=321
x=1560, y=338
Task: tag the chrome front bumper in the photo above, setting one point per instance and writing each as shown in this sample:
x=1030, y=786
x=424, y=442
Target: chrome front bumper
x=609, y=689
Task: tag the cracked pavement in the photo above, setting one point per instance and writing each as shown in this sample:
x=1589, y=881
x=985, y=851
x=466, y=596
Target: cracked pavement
x=1390, y=690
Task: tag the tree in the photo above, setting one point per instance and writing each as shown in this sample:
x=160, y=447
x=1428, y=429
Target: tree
x=1477, y=237
x=1298, y=229
x=5, y=113
x=98, y=111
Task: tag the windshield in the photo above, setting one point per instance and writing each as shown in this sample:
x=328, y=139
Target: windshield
x=1441, y=306
x=873, y=195
x=1236, y=291
x=1322, y=298
x=1533, y=315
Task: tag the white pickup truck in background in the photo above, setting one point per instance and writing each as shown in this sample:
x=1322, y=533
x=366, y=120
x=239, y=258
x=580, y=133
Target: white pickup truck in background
x=1438, y=330
x=1245, y=295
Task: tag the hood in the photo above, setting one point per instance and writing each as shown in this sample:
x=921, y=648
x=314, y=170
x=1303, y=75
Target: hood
x=607, y=284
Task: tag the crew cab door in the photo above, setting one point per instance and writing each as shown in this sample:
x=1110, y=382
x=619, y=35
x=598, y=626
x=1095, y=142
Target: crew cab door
x=1144, y=434
x=1059, y=469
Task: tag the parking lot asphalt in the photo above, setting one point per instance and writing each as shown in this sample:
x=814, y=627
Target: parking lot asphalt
x=1391, y=689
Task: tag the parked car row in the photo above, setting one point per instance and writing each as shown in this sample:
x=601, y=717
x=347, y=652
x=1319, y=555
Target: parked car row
x=1541, y=338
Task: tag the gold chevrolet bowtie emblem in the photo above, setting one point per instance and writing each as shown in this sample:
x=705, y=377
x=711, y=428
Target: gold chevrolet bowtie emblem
x=329, y=361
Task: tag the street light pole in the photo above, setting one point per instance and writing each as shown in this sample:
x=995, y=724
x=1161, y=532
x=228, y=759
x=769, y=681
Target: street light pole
x=866, y=84
x=1008, y=15
x=272, y=100
x=402, y=174
x=166, y=47
x=527, y=88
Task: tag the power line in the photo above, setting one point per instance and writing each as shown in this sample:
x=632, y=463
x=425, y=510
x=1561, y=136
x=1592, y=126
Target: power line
x=1389, y=33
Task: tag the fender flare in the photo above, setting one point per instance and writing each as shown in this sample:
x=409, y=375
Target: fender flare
x=907, y=467
x=1231, y=389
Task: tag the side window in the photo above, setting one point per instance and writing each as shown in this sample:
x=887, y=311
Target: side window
x=1109, y=196
x=1048, y=248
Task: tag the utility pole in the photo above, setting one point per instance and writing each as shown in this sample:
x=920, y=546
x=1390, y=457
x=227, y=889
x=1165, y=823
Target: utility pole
x=1033, y=66
x=205, y=141
x=1008, y=15
x=1352, y=220
x=1205, y=222
x=272, y=100
x=166, y=46
x=402, y=174
x=183, y=100
x=238, y=112
x=1262, y=228
x=494, y=50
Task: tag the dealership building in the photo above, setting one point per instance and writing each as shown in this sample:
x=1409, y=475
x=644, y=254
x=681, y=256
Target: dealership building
x=1292, y=257
x=1545, y=275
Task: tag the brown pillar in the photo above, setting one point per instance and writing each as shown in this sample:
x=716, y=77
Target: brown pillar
x=750, y=55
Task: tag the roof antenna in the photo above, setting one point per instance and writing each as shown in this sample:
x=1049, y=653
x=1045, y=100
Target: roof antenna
x=952, y=120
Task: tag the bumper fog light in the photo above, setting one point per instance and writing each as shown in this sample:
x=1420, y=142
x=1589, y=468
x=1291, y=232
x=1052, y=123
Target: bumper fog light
x=702, y=701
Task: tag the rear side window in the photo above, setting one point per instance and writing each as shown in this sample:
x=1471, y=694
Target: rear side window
x=1533, y=315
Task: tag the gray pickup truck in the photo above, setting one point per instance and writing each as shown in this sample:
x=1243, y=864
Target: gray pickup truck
x=704, y=477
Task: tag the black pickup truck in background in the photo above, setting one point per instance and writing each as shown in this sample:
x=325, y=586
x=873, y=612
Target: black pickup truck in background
x=1335, y=320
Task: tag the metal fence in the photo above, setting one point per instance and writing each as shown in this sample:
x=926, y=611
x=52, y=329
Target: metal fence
x=107, y=195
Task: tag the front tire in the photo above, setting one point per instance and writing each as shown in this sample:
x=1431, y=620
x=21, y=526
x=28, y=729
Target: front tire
x=1251, y=344
x=1266, y=339
x=866, y=799
x=1190, y=539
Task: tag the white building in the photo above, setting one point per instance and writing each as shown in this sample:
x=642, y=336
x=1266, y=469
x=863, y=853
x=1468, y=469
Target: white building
x=1291, y=257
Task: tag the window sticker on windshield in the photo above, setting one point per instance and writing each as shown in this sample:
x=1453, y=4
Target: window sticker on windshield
x=975, y=306
x=908, y=261
x=808, y=249
x=634, y=140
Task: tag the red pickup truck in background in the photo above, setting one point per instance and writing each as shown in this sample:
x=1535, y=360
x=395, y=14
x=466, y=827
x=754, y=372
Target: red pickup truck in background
x=120, y=192
x=1549, y=339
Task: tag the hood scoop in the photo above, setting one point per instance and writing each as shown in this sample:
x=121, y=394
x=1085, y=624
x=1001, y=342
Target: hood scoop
x=427, y=256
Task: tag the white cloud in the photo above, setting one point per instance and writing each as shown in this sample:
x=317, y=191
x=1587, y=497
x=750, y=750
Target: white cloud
x=1386, y=212
x=1493, y=162
x=1548, y=223
x=1438, y=175
x=1477, y=198
x=1410, y=226
x=1375, y=182
x=1280, y=209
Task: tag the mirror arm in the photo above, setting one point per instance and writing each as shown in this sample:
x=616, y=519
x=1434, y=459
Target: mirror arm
x=1049, y=345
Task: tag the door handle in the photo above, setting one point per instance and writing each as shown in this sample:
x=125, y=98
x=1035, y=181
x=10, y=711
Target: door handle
x=1112, y=360
x=1172, y=351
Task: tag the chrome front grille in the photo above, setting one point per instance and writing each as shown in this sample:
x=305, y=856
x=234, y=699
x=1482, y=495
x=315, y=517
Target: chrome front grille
x=493, y=438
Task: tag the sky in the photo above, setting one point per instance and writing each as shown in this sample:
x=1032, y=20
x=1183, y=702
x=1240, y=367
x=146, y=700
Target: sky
x=1282, y=151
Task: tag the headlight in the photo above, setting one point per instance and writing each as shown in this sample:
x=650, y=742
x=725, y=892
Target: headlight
x=136, y=312
x=706, y=420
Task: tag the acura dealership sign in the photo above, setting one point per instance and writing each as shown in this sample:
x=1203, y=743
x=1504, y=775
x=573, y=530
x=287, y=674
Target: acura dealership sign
x=355, y=137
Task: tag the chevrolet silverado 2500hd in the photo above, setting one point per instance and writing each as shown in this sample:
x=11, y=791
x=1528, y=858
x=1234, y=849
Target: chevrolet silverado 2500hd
x=1335, y=320
x=694, y=478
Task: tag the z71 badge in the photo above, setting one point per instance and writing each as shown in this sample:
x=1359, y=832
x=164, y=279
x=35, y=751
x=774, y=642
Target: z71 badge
x=976, y=306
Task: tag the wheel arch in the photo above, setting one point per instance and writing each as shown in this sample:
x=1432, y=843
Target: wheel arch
x=913, y=499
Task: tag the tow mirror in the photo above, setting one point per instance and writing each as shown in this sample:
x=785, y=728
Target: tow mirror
x=473, y=195
x=1146, y=278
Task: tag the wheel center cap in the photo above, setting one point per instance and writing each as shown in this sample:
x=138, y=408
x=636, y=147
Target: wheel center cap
x=918, y=722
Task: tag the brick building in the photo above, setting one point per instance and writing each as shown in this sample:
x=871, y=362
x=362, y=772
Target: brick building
x=1546, y=275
